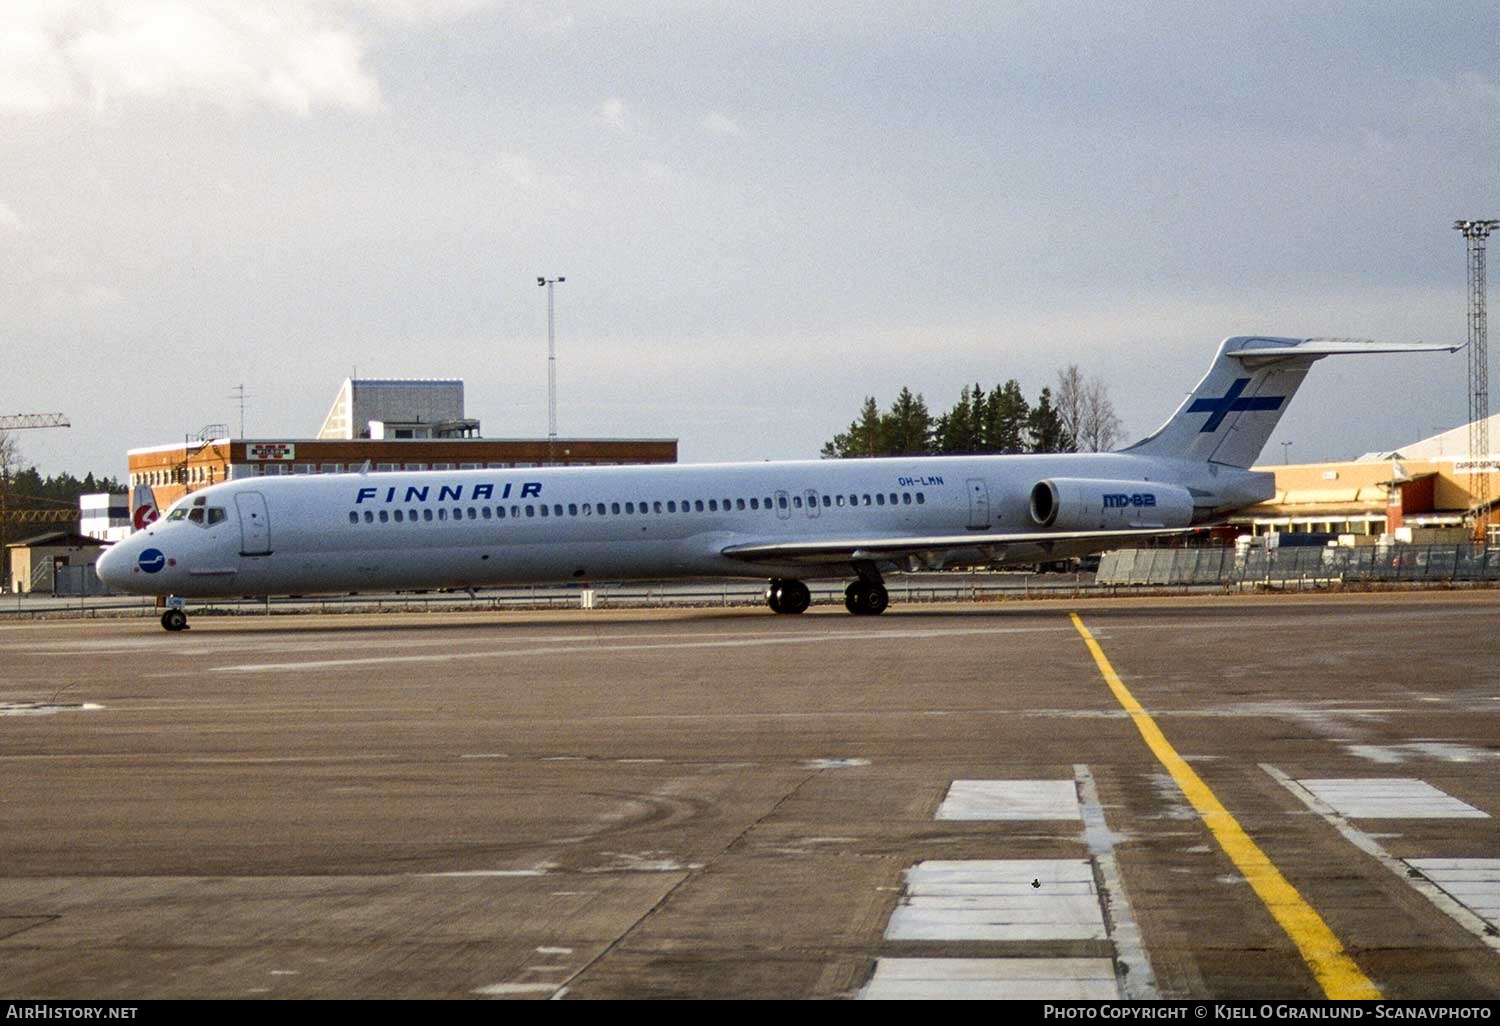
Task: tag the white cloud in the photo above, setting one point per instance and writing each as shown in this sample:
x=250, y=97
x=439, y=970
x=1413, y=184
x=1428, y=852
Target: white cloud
x=612, y=114
x=296, y=57
x=517, y=170
x=719, y=124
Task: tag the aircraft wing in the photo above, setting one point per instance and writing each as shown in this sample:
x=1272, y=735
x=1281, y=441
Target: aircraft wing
x=838, y=550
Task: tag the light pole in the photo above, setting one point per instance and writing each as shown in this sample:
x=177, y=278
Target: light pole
x=551, y=361
x=1285, y=448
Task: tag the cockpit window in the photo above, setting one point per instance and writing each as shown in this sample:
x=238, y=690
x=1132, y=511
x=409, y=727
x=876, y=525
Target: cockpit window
x=177, y=514
x=196, y=516
x=216, y=515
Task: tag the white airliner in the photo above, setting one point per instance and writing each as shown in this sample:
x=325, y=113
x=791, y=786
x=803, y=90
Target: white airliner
x=783, y=521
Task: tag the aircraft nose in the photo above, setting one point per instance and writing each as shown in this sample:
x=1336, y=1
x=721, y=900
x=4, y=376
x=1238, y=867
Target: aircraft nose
x=113, y=565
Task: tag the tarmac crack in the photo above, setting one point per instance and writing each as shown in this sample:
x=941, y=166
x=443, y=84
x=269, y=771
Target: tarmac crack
x=689, y=875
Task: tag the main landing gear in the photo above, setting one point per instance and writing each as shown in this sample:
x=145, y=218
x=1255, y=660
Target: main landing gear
x=865, y=597
x=787, y=595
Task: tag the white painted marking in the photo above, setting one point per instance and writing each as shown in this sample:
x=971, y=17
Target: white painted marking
x=827, y=764
x=502, y=989
x=594, y=646
x=486, y=872
x=1011, y=800
x=1002, y=900
x=554, y=951
x=1475, y=883
x=990, y=979
x=1389, y=798
x=1137, y=979
x=1442, y=751
x=1368, y=844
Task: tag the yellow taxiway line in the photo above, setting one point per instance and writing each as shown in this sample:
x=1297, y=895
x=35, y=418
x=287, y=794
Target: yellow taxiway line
x=1335, y=971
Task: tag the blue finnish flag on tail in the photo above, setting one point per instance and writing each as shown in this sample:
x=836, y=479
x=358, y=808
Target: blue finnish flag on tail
x=1230, y=415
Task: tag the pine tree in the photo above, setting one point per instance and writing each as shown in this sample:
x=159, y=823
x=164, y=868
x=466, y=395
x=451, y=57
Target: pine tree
x=1046, y=428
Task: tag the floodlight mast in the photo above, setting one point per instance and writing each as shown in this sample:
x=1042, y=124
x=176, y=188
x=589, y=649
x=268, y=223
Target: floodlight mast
x=1475, y=233
x=551, y=359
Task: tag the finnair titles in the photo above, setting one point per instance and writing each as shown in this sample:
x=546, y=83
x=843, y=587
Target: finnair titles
x=781, y=521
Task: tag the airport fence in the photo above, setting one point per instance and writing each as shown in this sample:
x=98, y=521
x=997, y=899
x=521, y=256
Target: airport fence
x=1300, y=565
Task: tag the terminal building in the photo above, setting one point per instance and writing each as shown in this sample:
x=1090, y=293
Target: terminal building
x=1426, y=486
x=386, y=425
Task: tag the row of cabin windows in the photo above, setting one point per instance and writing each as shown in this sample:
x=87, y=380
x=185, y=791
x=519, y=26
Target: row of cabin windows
x=589, y=509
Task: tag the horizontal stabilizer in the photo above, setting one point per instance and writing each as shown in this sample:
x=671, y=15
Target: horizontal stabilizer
x=1320, y=347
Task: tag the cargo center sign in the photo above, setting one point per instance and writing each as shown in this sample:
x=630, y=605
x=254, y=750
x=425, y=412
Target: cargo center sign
x=264, y=451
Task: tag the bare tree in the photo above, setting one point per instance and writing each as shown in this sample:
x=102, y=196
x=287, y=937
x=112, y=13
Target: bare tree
x=1086, y=413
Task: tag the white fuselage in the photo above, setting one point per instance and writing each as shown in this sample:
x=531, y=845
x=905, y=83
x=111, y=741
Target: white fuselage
x=475, y=528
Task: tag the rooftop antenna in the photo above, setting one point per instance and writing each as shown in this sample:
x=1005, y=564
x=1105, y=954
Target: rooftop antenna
x=240, y=396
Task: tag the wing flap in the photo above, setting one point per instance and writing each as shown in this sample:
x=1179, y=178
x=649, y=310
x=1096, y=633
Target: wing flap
x=837, y=550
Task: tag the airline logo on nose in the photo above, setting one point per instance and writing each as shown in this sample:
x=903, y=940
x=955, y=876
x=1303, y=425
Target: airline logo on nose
x=151, y=560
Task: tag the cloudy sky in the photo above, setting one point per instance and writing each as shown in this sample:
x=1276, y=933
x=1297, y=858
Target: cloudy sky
x=764, y=211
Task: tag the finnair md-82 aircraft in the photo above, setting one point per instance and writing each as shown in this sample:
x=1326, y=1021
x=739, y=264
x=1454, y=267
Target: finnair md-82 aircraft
x=783, y=521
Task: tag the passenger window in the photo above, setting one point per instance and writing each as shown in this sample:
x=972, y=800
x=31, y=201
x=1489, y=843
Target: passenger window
x=630, y=507
x=442, y=514
x=557, y=510
x=921, y=498
x=893, y=498
x=572, y=509
x=369, y=517
x=797, y=501
x=671, y=505
x=754, y=503
x=841, y=500
x=499, y=512
x=484, y=511
x=543, y=508
x=713, y=505
x=614, y=507
x=427, y=514
x=879, y=499
x=739, y=504
x=531, y=511
x=906, y=498
x=385, y=517
x=399, y=516
x=458, y=513
x=353, y=517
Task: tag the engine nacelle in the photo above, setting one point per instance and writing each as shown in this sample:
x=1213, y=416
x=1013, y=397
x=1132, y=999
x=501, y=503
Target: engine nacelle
x=1082, y=504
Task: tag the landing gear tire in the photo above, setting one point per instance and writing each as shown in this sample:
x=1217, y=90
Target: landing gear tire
x=787, y=595
x=862, y=598
x=174, y=620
